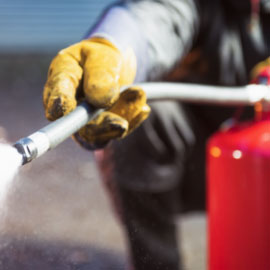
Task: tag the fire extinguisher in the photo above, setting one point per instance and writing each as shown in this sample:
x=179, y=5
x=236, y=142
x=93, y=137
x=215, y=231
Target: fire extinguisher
x=238, y=187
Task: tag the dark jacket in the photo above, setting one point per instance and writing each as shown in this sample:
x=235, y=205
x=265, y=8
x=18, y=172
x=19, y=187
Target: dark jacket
x=229, y=45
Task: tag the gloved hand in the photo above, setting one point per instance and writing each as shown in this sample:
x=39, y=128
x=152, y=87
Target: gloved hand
x=127, y=113
x=95, y=70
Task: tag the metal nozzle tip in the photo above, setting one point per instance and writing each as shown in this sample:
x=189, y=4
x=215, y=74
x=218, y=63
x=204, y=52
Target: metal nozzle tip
x=27, y=149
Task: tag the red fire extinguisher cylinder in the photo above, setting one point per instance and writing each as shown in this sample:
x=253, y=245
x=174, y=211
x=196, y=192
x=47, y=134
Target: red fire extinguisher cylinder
x=238, y=176
x=239, y=197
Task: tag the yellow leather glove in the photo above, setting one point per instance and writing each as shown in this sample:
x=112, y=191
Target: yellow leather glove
x=95, y=70
x=127, y=113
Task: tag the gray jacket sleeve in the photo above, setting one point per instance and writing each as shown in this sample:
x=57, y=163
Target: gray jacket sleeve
x=169, y=27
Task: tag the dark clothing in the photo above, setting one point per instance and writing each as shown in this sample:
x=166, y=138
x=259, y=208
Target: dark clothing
x=168, y=151
x=222, y=29
x=158, y=170
x=151, y=228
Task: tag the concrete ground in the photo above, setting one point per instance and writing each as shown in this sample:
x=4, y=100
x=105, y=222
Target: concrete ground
x=57, y=214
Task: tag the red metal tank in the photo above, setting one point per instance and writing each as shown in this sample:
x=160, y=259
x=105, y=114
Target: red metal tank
x=238, y=175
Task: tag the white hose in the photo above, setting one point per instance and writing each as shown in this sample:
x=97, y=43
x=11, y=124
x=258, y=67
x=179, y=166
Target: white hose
x=53, y=134
x=207, y=94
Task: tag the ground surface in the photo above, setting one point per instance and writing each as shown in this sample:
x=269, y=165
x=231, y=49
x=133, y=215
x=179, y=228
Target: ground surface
x=57, y=215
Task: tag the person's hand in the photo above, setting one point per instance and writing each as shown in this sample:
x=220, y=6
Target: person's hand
x=126, y=114
x=95, y=70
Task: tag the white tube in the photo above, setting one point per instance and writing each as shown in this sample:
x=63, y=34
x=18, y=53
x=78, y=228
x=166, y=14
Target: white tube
x=53, y=134
x=207, y=94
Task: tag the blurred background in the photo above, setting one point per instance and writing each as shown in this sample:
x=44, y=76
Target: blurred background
x=57, y=214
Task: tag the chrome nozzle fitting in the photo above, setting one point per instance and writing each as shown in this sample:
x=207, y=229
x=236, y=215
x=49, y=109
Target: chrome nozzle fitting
x=27, y=149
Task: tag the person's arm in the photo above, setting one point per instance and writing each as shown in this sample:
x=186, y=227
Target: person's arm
x=160, y=32
x=146, y=38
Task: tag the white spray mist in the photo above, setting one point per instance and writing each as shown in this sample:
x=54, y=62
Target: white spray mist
x=10, y=161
